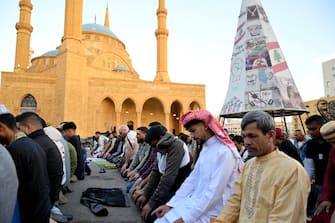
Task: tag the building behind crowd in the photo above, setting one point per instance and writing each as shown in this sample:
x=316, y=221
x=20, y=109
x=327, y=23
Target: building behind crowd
x=324, y=106
x=328, y=69
x=89, y=78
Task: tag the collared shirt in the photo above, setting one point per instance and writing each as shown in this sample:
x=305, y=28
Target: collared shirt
x=207, y=188
x=18, y=135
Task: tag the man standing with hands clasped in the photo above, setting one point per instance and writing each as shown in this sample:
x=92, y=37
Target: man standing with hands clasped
x=272, y=187
x=208, y=187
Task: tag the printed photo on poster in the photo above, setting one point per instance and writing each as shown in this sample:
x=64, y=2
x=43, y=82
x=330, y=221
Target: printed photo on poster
x=264, y=99
x=252, y=12
x=234, y=105
x=288, y=91
x=257, y=54
x=263, y=14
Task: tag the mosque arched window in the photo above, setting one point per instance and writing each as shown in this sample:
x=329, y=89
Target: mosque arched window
x=28, y=104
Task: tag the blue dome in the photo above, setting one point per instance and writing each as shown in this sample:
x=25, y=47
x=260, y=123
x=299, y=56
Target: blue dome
x=121, y=68
x=51, y=53
x=97, y=28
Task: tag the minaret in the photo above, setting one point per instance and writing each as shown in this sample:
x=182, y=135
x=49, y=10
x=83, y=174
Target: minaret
x=71, y=83
x=24, y=30
x=161, y=36
x=72, y=23
x=107, y=18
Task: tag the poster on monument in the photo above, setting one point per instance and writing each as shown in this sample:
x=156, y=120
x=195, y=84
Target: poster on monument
x=260, y=78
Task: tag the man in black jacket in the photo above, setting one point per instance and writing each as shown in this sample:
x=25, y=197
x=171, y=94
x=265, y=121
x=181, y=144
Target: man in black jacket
x=286, y=146
x=31, y=167
x=30, y=123
x=69, y=129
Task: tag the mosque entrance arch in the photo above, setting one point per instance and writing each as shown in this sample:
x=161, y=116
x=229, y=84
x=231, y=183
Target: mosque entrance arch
x=128, y=112
x=194, y=106
x=28, y=103
x=106, y=116
x=176, y=109
x=153, y=110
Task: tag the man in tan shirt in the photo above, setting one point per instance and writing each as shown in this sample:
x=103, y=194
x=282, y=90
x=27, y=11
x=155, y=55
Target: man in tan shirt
x=272, y=186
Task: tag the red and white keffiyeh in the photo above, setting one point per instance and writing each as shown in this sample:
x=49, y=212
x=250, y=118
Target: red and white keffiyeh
x=216, y=128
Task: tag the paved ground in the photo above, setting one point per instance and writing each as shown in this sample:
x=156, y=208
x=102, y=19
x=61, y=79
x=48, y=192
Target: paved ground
x=110, y=179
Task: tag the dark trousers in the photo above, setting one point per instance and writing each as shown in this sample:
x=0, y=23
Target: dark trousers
x=151, y=218
x=313, y=198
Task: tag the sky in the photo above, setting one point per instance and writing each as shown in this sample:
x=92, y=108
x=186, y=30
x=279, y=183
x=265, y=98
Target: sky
x=200, y=42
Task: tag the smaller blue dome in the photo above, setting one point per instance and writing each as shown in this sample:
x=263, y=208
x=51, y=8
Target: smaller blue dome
x=51, y=53
x=121, y=68
x=91, y=27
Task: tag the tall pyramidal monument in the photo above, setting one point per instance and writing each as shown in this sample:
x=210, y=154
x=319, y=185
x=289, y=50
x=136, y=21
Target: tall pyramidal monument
x=260, y=78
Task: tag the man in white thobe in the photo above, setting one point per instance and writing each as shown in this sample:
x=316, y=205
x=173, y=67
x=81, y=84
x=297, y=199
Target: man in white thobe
x=205, y=191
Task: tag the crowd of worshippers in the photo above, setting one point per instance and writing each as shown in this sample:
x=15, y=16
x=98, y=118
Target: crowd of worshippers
x=201, y=177
x=207, y=176
x=37, y=164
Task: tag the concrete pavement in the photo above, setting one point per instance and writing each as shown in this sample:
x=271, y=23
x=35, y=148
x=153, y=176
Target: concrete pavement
x=110, y=179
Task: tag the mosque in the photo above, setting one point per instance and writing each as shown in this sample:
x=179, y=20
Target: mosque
x=89, y=78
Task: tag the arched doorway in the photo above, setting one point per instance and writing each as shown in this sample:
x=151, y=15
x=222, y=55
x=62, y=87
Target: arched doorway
x=194, y=106
x=128, y=112
x=153, y=110
x=105, y=116
x=28, y=103
x=176, y=109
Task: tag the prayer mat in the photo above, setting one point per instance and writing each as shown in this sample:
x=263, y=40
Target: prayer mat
x=102, y=163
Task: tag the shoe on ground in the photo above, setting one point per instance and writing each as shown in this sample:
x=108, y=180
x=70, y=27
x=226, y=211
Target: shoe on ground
x=62, y=199
x=58, y=218
x=73, y=179
x=68, y=216
x=66, y=190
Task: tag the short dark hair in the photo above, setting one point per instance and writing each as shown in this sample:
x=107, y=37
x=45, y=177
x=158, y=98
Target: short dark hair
x=154, y=133
x=130, y=125
x=192, y=122
x=69, y=125
x=154, y=123
x=315, y=118
x=263, y=120
x=43, y=122
x=31, y=118
x=238, y=139
x=183, y=137
x=9, y=120
x=143, y=129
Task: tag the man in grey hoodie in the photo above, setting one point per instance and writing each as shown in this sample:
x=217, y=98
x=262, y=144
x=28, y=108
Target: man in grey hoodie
x=172, y=167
